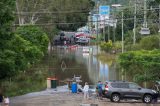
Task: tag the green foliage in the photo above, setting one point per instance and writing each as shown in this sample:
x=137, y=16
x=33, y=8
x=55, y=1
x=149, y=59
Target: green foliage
x=7, y=63
x=128, y=24
x=51, y=32
x=153, y=27
x=19, y=57
x=6, y=18
x=106, y=46
x=143, y=65
x=26, y=53
x=150, y=42
x=77, y=19
x=7, y=56
x=117, y=46
x=65, y=11
x=35, y=35
x=26, y=82
x=19, y=47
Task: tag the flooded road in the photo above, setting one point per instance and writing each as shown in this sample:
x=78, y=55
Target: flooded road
x=70, y=62
x=64, y=63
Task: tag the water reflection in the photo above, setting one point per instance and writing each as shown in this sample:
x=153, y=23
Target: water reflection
x=63, y=64
x=70, y=62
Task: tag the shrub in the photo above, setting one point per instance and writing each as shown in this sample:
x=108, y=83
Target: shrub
x=106, y=46
x=150, y=42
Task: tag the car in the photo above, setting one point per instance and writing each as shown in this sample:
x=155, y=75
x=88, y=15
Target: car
x=118, y=90
x=83, y=41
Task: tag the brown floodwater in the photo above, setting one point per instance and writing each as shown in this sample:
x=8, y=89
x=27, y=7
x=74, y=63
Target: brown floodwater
x=64, y=63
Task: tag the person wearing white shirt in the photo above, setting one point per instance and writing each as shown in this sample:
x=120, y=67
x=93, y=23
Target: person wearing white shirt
x=86, y=91
x=6, y=101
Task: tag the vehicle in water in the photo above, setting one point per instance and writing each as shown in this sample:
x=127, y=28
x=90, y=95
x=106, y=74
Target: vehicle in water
x=83, y=41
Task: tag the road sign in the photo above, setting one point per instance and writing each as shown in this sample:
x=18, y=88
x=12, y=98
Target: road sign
x=104, y=10
x=94, y=18
x=144, y=31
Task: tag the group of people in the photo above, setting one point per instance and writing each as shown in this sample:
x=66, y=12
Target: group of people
x=98, y=90
x=4, y=101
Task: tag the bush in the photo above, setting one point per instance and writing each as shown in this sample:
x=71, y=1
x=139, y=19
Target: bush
x=117, y=46
x=35, y=35
x=106, y=46
x=150, y=42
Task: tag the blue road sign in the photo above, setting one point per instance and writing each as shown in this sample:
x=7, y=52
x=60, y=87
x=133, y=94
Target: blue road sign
x=104, y=10
x=94, y=18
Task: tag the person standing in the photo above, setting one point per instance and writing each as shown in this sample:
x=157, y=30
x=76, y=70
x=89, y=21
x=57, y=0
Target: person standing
x=86, y=91
x=6, y=101
x=1, y=99
x=99, y=86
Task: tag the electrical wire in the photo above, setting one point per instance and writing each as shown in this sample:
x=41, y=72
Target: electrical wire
x=82, y=22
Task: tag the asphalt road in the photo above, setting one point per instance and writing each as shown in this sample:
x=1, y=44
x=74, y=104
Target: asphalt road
x=66, y=98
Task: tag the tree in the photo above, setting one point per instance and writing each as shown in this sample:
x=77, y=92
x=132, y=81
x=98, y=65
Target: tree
x=54, y=12
x=7, y=8
x=142, y=65
x=26, y=54
x=6, y=19
x=35, y=35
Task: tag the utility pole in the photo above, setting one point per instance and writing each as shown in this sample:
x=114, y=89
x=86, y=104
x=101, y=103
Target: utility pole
x=108, y=31
x=159, y=18
x=145, y=14
x=114, y=33
x=104, y=28
x=134, y=30
x=97, y=20
x=122, y=33
x=97, y=29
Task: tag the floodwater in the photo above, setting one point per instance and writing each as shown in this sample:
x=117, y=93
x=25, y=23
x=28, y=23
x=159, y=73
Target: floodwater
x=64, y=63
x=70, y=62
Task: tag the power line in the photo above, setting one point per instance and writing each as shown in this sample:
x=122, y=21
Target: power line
x=56, y=12
x=67, y=12
x=82, y=22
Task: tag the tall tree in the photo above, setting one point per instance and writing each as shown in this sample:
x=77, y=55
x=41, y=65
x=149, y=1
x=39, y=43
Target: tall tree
x=65, y=14
x=6, y=19
x=7, y=8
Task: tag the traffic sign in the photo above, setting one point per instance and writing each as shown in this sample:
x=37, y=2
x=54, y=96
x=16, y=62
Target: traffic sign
x=104, y=10
x=94, y=18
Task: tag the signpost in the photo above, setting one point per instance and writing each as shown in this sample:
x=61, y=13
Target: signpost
x=104, y=11
x=97, y=16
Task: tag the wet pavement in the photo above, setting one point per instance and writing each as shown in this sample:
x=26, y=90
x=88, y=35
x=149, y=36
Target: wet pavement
x=63, y=97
